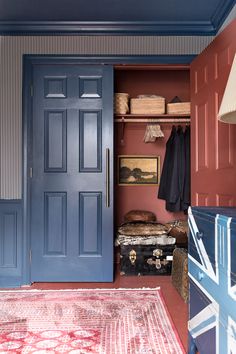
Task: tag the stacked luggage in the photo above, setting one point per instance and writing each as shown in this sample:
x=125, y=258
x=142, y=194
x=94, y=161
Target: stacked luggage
x=146, y=246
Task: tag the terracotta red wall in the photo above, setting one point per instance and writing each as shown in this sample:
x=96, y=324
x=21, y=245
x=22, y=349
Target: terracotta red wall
x=167, y=83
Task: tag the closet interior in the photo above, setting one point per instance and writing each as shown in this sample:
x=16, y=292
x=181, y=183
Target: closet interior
x=172, y=82
x=167, y=81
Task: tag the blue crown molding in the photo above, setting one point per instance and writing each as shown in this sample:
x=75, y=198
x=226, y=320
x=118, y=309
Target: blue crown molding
x=108, y=59
x=221, y=13
x=192, y=27
x=183, y=28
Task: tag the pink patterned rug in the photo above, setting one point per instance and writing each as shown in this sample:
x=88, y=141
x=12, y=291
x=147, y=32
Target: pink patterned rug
x=86, y=321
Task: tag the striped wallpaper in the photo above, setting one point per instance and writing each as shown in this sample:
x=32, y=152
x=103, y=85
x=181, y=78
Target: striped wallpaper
x=11, y=50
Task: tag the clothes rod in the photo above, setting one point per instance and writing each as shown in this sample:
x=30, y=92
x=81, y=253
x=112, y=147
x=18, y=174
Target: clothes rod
x=152, y=120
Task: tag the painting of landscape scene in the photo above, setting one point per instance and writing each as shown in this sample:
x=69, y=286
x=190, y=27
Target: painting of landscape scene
x=137, y=170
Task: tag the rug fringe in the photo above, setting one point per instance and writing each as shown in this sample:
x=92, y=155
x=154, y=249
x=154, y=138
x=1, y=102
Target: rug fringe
x=83, y=289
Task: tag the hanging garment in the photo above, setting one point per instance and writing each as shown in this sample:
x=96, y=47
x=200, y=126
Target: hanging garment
x=167, y=167
x=186, y=194
x=176, y=178
x=174, y=188
x=152, y=132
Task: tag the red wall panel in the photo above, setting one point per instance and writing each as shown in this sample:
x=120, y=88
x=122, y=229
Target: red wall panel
x=213, y=144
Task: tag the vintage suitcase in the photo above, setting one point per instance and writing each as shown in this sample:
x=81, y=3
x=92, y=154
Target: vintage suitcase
x=146, y=259
x=179, y=272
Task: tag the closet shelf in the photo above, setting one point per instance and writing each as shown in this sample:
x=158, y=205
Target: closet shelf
x=152, y=118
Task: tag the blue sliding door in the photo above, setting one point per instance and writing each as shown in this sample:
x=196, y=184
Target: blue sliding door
x=71, y=172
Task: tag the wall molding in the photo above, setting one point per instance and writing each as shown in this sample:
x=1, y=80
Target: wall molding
x=154, y=28
x=222, y=12
x=36, y=25
x=183, y=28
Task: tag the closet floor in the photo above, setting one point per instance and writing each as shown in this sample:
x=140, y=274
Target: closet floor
x=176, y=306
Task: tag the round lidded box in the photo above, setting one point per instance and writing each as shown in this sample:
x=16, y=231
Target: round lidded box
x=121, y=103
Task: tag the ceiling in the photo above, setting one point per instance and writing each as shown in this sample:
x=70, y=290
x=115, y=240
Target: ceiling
x=156, y=17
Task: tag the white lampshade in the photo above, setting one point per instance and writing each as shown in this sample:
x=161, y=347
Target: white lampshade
x=227, y=111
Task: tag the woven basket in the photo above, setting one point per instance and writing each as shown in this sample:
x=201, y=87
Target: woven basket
x=121, y=104
x=147, y=105
x=179, y=274
x=178, y=108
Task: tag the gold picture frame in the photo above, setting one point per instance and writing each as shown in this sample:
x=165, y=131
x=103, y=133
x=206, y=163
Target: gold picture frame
x=136, y=170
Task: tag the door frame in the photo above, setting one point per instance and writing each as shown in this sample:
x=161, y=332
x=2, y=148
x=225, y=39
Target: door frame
x=27, y=91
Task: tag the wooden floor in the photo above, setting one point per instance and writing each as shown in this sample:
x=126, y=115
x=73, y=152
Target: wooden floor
x=177, y=308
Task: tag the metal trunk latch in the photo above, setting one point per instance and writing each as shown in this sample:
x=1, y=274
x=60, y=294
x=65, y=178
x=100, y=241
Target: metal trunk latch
x=157, y=252
x=157, y=262
x=132, y=256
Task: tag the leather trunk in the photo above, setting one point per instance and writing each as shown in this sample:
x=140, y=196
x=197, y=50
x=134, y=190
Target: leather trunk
x=146, y=259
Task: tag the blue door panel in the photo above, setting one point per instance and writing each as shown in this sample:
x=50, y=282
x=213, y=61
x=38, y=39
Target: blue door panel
x=8, y=241
x=55, y=87
x=90, y=205
x=71, y=221
x=55, y=141
x=90, y=128
x=55, y=221
x=11, y=243
x=90, y=86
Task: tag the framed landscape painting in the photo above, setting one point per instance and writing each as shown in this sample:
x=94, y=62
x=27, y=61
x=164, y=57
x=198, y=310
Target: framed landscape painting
x=138, y=170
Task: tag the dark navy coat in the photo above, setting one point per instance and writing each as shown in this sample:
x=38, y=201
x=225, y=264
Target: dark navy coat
x=175, y=178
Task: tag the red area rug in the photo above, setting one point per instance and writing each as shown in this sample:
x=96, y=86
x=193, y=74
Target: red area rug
x=86, y=321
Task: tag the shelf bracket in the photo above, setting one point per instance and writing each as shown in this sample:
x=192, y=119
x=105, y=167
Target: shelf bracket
x=122, y=140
